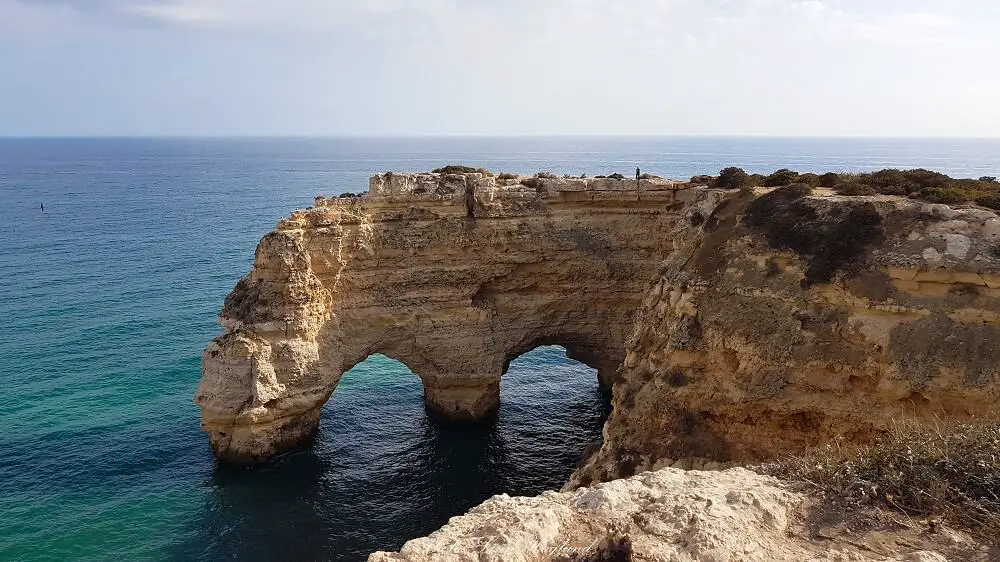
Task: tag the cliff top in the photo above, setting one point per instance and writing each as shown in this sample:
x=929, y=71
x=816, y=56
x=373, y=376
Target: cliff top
x=455, y=182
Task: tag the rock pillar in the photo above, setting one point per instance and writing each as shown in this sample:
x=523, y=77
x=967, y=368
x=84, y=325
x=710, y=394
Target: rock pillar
x=465, y=399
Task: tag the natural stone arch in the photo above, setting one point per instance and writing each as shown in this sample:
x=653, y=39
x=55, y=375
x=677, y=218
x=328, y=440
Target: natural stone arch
x=454, y=299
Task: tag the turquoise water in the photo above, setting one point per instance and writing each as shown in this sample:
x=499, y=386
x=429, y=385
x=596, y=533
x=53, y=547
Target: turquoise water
x=108, y=296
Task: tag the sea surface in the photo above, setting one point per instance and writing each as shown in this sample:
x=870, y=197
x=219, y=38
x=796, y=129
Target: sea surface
x=108, y=296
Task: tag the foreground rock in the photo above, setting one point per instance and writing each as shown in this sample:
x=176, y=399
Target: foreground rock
x=673, y=515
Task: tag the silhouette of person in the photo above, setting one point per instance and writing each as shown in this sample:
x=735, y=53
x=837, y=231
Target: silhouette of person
x=637, y=173
x=43, y=206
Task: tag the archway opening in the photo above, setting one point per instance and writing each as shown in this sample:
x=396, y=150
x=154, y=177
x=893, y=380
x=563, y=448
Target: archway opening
x=552, y=410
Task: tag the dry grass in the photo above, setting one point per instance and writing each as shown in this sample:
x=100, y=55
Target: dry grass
x=947, y=471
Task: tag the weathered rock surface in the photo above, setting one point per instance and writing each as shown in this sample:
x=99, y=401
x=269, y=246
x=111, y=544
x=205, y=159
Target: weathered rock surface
x=786, y=322
x=453, y=275
x=744, y=326
x=672, y=515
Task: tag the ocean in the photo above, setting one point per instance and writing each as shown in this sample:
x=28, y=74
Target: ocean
x=109, y=295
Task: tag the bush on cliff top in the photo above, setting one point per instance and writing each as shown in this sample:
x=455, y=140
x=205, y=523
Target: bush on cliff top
x=781, y=178
x=732, y=178
x=953, y=472
x=925, y=185
x=457, y=169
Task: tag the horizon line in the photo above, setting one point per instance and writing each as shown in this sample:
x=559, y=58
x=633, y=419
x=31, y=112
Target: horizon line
x=481, y=136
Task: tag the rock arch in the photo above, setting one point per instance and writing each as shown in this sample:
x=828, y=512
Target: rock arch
x=410, y=277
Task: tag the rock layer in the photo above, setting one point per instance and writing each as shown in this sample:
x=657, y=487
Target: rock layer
x=788, y=321
x=453, y=275
x=733, y=326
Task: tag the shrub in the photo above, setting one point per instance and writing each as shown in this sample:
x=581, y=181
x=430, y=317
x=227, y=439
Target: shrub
x=828, y=179
x=534, y=183
x=732, y=178
x=853, y=188
x=346, y=195
x=946, y=471
x=781, y=178
x=992, y=201
x=507, y=176
x=948, y=195
x=546, y=175
x=456, y=169
x=650, y=177
x=616, y=176
x=988, y=179
x=811, y=180
x=702, y=180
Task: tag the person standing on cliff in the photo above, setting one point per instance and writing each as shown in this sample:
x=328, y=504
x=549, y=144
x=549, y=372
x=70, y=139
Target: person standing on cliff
x=637, y=183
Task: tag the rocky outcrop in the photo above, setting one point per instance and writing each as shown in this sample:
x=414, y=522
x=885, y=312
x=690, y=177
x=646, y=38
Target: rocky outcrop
x=677, y=516
x=733, y=326
x=786, y=321
x=454, y=275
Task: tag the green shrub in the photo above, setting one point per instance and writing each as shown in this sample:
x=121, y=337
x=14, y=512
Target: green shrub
x=507, y=176
x=781, y=178
x=828, y=179
x=546, y=175
x=347, y=195
x=992, y=201
x=703, y=180
x=616, y=176
x=534, y=183
x=809, y=179
x=853, y=188
x=456, y=169
x=732, y=178
x=756, y=180
x=948, y=195
x=988, y=179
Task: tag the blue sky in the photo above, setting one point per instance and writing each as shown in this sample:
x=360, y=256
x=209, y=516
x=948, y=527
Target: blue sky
x=427, y=67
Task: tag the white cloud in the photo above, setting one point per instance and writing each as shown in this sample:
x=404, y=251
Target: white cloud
x=178, y=13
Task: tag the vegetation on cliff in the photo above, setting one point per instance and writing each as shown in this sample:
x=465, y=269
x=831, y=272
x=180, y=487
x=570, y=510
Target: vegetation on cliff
x=921, y=184
x=952, y=472
x=829, y=241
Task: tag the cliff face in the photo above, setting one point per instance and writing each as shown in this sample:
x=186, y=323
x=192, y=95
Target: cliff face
x=733, y=326
x=785, y=321
x=675, y=515
x=453, y=275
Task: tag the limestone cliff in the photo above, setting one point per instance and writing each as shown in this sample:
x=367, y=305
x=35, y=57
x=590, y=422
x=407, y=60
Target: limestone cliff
x=785, y=321
x=454, y=275
x=678, y=516
x=734, y=326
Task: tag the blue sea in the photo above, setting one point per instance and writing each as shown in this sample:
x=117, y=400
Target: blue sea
x=108, y=296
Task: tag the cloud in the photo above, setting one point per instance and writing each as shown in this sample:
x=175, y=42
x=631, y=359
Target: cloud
x=183, y=14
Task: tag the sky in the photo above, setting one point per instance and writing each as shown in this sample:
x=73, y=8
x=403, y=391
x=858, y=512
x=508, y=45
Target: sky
x=903, y=68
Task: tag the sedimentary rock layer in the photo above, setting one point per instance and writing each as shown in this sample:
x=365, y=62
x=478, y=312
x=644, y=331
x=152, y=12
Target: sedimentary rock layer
x=453, y=275
x=733, y=326
x=787, y=321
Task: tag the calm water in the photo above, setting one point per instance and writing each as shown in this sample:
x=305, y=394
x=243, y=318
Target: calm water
x=108, y=297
